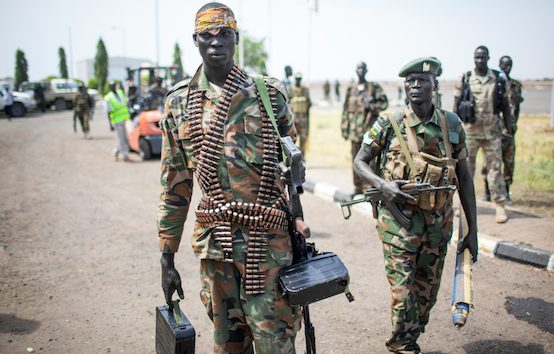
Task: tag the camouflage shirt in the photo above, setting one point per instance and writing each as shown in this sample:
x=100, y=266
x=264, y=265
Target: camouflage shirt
x=238, y=167
x=429, y=136
x=82, y=102
x=429, y=140
x=487, y=125
x=362, y=105
x=515, y=97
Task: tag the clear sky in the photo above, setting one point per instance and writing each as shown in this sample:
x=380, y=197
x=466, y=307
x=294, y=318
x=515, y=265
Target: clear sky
x=385, y=34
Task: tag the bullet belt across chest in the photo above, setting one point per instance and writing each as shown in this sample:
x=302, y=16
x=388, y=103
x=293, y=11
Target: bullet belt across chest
x=249, y=215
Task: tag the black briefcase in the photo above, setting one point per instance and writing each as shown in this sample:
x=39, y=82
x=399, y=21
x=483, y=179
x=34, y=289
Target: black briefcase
x=174, y=333
x=313, y=279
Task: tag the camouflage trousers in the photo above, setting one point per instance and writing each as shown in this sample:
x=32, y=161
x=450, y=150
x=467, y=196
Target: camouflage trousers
x=414, y=261
x=243, y=321
x=84, y=119
x=508, y=159
x=302, y=126
x=492, y=149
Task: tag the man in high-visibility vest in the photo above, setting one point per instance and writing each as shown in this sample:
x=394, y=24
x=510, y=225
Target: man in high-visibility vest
x=118, y=114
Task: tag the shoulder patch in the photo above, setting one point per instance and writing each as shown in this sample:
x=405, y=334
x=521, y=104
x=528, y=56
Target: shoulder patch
x=380, y=123
x=273, y=82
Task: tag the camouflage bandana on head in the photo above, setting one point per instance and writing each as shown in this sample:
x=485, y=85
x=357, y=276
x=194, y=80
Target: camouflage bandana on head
x=210, y=19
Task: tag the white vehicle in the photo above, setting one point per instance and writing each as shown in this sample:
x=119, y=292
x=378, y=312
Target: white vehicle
x=22, y=102
x=60, y=93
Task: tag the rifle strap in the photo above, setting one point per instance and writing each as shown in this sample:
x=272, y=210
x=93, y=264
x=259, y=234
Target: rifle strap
x=264, y=95
x=402, y=142
x=445, y=139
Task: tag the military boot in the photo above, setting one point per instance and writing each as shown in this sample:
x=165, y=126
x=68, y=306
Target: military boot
x=501, y=216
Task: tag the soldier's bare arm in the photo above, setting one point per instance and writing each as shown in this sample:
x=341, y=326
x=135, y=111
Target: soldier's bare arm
x=467, y=197
x=367, y=153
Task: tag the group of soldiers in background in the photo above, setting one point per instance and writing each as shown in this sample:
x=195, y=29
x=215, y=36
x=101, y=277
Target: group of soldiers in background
x=493, y=99
x=495, y=96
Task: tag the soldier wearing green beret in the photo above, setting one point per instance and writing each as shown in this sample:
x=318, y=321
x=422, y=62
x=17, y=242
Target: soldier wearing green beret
x=422, y=144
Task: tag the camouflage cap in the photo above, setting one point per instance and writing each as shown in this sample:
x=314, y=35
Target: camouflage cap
x=422, y=65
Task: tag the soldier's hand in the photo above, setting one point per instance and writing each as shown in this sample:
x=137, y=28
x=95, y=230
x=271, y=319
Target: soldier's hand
x=171, y=280
x=470, y=242
x=391, y=191
x=285, y=173
x=302, y=228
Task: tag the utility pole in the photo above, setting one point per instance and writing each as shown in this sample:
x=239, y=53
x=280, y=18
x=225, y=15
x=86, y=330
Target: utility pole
x=241, y=41
x=157, y=35
x=71, y=53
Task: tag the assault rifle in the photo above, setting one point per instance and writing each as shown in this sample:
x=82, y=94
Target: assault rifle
x=375, y=196
x=297, y=228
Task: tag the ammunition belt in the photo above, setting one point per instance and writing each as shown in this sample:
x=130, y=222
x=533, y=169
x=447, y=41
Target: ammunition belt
x=248, y=215
x=268, y=210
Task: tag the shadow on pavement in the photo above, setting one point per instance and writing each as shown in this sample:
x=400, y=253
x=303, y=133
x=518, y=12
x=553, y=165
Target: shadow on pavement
x=534, y=311
x=502, y=346
x=16, y=325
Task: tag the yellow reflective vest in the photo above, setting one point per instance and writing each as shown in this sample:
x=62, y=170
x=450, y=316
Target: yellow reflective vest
x=118, y=107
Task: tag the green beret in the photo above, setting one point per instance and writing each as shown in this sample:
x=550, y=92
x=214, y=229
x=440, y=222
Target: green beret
x=422, y=65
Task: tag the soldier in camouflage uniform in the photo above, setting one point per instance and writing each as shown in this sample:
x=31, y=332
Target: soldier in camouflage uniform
x=300, y=105
x=216, y=128
x=362, y=104
x=82, y=104
x=414, y=257
x=515, y=98
x=493, y=120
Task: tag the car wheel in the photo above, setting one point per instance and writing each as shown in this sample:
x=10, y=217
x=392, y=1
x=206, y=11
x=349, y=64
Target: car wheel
x=18, y=110
x=68, y=105
x=60, y=104
x=145, y=151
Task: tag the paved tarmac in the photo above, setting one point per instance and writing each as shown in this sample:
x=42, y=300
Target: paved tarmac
x=80, y=262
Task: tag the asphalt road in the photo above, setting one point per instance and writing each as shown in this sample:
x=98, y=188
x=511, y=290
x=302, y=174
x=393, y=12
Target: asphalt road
x=80, y=262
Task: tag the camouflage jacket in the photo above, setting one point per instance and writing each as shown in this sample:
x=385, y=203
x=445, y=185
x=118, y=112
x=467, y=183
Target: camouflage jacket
x=515, y=97
x=239, y=162
x=362, y=105
x=487, y=125
x=430, y=141
x=82, y=102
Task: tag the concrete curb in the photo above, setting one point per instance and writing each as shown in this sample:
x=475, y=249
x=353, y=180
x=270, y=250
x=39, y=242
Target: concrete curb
x=488, y=245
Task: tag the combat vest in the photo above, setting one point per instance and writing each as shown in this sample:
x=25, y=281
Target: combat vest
x=419, y=167
x=299, y=101
x=118, y=109
x=356, y=102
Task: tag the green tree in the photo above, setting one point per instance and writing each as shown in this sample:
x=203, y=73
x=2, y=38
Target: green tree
x=101, y=66
x=177, y=61
x=255, y=54
x=21, y=68
x=92, y=83
x=63, y=63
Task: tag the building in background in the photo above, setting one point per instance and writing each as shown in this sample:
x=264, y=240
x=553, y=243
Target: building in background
x=116, y=69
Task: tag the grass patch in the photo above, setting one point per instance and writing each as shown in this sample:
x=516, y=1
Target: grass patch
x=533, y=188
